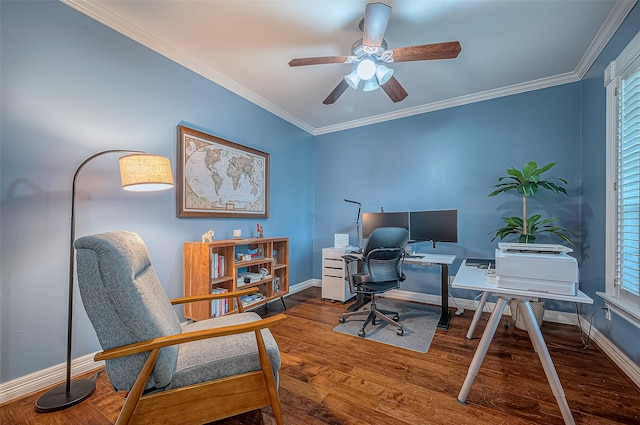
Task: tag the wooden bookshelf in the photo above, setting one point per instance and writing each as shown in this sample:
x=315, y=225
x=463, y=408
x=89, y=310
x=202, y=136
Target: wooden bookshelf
x=224, y=265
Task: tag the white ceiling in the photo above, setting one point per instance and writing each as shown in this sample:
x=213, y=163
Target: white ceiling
x=508, y=46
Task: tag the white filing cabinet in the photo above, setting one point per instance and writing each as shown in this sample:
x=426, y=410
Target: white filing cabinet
x=334, y=275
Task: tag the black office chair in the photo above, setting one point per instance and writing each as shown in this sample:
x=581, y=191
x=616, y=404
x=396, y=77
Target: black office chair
x=379, y=270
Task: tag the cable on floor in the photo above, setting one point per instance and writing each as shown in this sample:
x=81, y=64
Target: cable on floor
x=585, y=345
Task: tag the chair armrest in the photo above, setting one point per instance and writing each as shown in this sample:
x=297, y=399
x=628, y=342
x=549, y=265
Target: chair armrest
x=207, y=297
x=152, y=344
x=350, y=258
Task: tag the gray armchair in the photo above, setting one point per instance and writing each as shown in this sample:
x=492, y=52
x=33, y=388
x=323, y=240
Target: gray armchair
x=174, y=373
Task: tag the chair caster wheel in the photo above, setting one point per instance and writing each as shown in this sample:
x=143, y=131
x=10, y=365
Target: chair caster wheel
x=341, y=320
x=396, y=317
x=361, y=333
x=400, y=332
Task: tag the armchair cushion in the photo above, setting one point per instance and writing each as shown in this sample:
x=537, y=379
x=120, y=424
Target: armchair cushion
x=210, y=359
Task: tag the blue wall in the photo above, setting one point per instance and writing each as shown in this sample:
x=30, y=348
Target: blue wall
x=447, y=160
x=593, y=133
x=72, y=87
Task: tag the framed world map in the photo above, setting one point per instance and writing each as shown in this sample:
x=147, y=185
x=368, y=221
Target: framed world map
x=219, y=178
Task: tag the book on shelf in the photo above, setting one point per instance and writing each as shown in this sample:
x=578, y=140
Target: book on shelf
x=219, y=307
x=251, y=299
x=217, y=265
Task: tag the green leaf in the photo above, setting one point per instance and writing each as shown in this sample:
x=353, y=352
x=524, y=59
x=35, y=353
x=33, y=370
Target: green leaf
x=515, y=173
x=547, y=167
x=529, y=169
x=527, y=238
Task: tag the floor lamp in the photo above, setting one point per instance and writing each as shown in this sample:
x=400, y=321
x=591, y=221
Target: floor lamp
x=139, y=171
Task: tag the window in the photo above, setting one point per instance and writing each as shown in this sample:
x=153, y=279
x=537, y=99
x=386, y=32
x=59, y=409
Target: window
x=622, y=79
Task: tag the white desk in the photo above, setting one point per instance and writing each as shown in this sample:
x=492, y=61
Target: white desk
x=473, y=278
x=444, y=261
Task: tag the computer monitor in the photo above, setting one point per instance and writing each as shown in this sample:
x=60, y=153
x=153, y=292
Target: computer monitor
x=373, y=220
x=434, y=226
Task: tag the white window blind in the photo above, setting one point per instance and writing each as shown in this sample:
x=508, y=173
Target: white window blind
x=628, y=183
x=622, y=241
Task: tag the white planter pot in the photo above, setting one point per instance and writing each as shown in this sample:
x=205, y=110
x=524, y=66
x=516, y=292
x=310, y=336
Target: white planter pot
x=516, y=313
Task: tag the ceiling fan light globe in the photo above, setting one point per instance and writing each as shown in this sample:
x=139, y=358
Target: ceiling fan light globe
x=366, y=69
x=352, y=79
x=371, y=84
x=383, y=74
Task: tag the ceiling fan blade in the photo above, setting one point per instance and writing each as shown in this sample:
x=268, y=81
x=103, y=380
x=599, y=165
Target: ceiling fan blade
x=317, y=61
x=376, y=19
x=447, y=50
x=336, y=93
x=394, y=90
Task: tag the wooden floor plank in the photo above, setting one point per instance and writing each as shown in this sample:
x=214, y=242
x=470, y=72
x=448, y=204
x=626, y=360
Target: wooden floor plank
x=328, y=378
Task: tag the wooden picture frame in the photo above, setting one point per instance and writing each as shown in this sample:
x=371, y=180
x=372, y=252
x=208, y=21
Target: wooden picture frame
x=219, y=178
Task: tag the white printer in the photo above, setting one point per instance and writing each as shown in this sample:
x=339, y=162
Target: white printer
x=536, y=267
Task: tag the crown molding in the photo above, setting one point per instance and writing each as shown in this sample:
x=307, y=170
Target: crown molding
x=95, y=10
x=450, y=103
x=608, y=29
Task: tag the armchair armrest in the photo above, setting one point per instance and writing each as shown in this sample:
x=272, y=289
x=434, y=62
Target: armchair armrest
x=157, y=343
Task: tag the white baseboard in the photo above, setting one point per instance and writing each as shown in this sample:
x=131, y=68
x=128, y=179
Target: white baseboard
x=304, y=285
x=626, y=365
x=56, y=374
x=467, y=304
x=46, y=378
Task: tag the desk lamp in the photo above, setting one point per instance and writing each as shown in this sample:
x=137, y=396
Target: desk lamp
x=139, y=171
x=357, y=222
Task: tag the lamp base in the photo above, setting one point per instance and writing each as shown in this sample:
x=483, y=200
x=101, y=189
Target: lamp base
x=58, y=398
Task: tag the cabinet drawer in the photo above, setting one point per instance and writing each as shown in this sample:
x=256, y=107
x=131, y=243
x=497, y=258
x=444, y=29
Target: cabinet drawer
x=333, y=280
x=335, y=288
x=333, y=271
x=334, y=263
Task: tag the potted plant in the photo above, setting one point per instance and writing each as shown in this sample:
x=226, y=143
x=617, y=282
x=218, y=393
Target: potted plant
x=526, y=183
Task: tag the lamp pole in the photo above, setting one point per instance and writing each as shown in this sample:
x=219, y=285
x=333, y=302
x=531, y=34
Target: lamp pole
x=357, y=221
x=71, y=392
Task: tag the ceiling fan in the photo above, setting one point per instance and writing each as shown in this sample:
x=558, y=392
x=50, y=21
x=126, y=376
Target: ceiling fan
x=370, y=54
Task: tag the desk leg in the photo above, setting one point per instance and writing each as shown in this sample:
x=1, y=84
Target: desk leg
x=547, y=364
x=445, y=316
x=481, y=351
x=477, y=314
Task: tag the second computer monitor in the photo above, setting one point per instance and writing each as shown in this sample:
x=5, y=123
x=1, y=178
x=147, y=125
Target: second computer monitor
x=373, y=220
x=435, y=226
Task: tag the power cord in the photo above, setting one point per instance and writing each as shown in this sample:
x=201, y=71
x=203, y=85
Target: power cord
x=585, y=345
x=460, y=309
x=96, y=375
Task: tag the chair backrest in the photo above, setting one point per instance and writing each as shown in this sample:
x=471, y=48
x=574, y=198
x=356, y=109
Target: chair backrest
x=126, y=304
x=387, y=237
x=384, y=254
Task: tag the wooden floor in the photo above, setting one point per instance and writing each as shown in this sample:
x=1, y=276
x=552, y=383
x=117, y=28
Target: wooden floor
x=331, y=378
